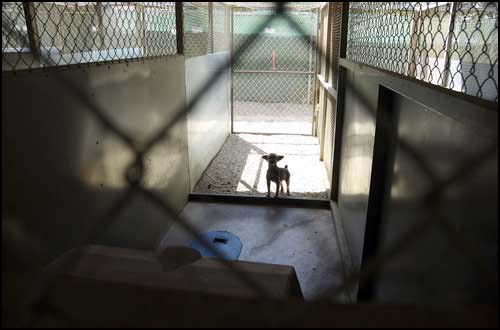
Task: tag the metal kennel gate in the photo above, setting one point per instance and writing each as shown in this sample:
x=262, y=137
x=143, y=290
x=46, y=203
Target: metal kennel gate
x=273, y=79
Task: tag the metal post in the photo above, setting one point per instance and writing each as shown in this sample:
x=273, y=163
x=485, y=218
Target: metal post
x=310, y=64
x=451, y=28
x=414, y=45
x=179, y=27
x=140, y=26
x=210, y=27
x=33, y=35
x=339, y=111
x=328, y=47
x=231, y=70
x=316, y=72
x=326, y=61
x=100, y=25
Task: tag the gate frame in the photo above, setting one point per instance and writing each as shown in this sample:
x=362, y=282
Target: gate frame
x=311, y=73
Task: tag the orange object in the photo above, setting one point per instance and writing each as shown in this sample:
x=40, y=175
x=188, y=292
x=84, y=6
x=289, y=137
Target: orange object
x=275, y=57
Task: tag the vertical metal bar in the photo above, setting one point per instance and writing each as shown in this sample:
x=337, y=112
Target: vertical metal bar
x=179, y=27
x=447, y=59
x=232, y=69
x=326, y=60
x=210, y=27
x=343, y=30
x=328, y=43
x=139, y=9
x=380, y=184
x=100, y=25
x=331, y=101
x=339, y=111
x=33, y=35
x=310, y=63
x=414, y=44
x=316, y=72
x=144, y=37
x=227, y=27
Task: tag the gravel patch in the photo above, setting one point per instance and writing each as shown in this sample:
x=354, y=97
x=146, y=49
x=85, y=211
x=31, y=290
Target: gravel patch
x=240, y=169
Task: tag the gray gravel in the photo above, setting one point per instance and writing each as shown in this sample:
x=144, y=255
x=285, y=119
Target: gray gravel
x=240, y=169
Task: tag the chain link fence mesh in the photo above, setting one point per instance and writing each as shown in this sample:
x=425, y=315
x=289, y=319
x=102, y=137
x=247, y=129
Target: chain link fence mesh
x=85, y=32
x=273, y=80
x=450, y=44
x=221, y=31
x=439, y=184
x=196, y=28
x=14, y=39
x=336, y=27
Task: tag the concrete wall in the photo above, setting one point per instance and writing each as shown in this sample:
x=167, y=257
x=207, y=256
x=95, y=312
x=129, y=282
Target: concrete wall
x=209, y=122
x=358, y=136
x=447, y=129
x=62, y=169
x=439, y=268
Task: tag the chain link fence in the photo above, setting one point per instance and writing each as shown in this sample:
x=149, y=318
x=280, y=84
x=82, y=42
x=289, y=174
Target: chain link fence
x=221, y=31
x=206, y=28
x=273, y=80
x=134, y=174
x=196, y=28
x=450, y=44
x=85, y=32
x=336, y=31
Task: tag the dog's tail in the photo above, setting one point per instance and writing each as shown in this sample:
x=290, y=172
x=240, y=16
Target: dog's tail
x=286, y=166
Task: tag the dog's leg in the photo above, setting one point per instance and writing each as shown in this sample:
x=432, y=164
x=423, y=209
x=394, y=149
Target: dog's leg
x=268, y=188
x=288, y=186
x=277, y=189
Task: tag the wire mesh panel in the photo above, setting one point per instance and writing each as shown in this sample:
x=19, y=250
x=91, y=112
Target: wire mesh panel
x=336, y=26
x=13, y=39
x=452, y=44
x=221, y=34
x=83, y=32
x=196, y=28
x=273, y=79
x=334, y=35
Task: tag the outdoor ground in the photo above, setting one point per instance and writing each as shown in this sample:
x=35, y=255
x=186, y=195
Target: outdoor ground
x=240, y=169
x=288, y=118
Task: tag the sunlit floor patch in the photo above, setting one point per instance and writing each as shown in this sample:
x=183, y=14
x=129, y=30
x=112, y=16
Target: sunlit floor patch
x=240, y=169
x=282, y=118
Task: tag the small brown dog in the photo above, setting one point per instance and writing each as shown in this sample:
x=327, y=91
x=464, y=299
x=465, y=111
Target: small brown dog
x=276, y=174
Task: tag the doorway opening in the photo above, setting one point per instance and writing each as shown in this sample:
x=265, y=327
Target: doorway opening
x=273, y=107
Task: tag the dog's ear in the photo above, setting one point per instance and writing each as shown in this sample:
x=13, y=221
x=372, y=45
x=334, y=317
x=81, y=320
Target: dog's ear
x=266, y=157
x=280, y=157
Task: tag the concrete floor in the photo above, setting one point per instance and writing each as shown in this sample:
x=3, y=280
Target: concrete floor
x=272, y=118
x=302, y=238
x=239, y=168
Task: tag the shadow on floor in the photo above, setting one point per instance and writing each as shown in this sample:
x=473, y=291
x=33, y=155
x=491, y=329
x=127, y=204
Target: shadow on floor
x=302, y=238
